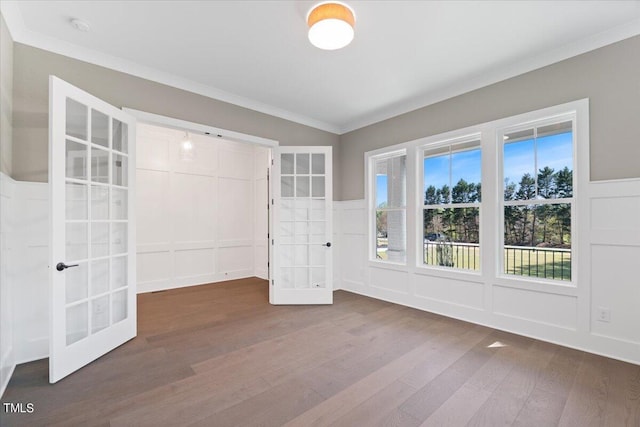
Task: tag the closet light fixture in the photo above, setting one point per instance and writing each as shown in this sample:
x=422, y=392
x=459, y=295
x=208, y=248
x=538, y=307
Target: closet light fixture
x=331, y=25
x=187, y=149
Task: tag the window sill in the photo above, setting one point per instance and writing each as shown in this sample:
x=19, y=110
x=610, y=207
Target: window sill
x=448, y=273
x=388, y=265
x=547, y=286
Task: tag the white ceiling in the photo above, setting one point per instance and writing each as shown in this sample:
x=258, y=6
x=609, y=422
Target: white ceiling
x=406, y=54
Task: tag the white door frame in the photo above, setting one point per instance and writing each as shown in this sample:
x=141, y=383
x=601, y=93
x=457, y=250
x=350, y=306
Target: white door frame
x=187, y=126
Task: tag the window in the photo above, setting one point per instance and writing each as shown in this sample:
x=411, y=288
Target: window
x=451, y=210
x=390, y=197
x=501, y=198
x=537, y=172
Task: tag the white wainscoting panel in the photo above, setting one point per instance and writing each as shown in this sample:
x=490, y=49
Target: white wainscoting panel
x=7, y=351
x=538, y=307
x=154, y=269
x=609, y=241
x=394, y=281
x=235, y=209
x=462, y=293
x=193, y=202
x=27, y=277
x=615, y=253
x=616, y=287
x=152, y=207
x=199, y=219
x=350, y=219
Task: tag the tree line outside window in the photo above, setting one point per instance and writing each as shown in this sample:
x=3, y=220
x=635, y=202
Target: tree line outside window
x=537, y=173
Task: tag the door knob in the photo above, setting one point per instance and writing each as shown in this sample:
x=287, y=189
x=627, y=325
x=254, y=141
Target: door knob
x=328, y=244
x=61, y=266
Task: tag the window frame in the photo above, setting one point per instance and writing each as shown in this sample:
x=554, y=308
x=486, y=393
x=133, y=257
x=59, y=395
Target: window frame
x=373, y=209
x=570, y=116
x=422, y=151
x=491, y=221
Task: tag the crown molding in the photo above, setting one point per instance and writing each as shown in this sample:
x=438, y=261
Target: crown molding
x=567, y=51
x=21, y=34
x=13, y=18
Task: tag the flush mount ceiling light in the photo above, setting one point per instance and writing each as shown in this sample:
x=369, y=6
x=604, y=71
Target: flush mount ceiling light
x=331, y=25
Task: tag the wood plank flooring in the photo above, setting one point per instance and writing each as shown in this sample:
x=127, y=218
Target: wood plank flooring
x=220, y=355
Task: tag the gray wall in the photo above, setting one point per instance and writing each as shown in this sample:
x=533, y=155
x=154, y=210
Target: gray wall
x=33, y=66
x=6, y=98
x=609, y=77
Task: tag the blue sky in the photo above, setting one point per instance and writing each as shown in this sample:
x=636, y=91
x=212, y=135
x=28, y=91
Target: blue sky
x=464, y=165
x=554, y=151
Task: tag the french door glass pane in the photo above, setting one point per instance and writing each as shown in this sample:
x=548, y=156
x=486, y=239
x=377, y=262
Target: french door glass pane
x=317, y=255
x=302, y=186
x=120, y=136
x=286, y=186
x=301, y=255
x=302, y=163
x=118, y=238
x=76, y=283
x=287, y=277
x=99, y=313
x=99, y=128
x=99, y=277
x=287, y=232
x=99, y=165
x=301, y=212
x=317, y=164
x=99, y=202
x=76, y=160
x=301, y=278
x=76, y=122
x=318, y=231
x=76, y=201
x=120, y=205
x=317, y=188
x=286, y=166
x=318, y=210
x=99, y=239
x=77, y=239
x=302, y=232
x=318, y=277
x=118, y=272
x=77, y=324
x=120, y=170
x=119, y=306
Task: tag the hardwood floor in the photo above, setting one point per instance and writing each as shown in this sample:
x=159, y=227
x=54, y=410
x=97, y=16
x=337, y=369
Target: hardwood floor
x=220, y=355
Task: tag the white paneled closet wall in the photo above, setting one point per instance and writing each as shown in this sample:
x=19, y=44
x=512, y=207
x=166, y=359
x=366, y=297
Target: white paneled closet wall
x=199, y=220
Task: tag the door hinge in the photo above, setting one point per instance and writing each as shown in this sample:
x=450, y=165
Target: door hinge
x=271, y=242
x=268, y=265
x=271, y=201
x=271, y=162
x=273, y=282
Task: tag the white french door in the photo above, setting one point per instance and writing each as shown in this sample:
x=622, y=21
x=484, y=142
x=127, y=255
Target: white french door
x=301, y=226
x=92, y=231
